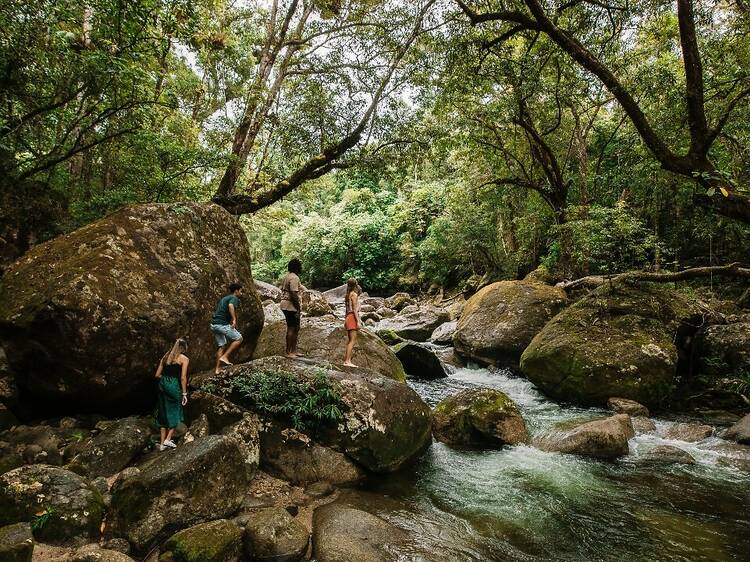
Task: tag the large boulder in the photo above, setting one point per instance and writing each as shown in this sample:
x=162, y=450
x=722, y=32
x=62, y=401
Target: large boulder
x=500, y=321
x=619, y=340
x=604, y=439
x=16, y=543
x=86, y=317
x=629, y=407
x=272, y=535
x=215, y=541
x=416, y=325
x=197, y=482
x=479, y=417
x=345, y=534
x=335, y=296
x=314, y=303
x=115, y=447
x=267, y=291
x=419, y=361
x=740, y=431
x=724, y=349
x=293, y=456
x=399, y=301
x=64, y=506
x=690, y=432
x=36, y=444
x=325, y=338
x=384, y=423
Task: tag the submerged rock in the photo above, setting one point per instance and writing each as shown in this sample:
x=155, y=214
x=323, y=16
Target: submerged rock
x=665, y=454
x=603, y=439
x=345, y=534
x=325, y=338
x=479, y=417
x=66, y=507
x=272, y=535
x=385, y=423
x=216, y=541
x=642, y=425
x=499, y=322
x=196, y=482
x=690, y=432
x=75, y=310
x=740, y=431
x=616, y=341
x=419, y=361
x=16, y=543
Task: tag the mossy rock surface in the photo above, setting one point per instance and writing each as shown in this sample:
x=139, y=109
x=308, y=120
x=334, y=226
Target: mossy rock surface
x=617, y=341
x=86, y=316
x=272, y=535
x=479, y=417
x=500, y=320
x=215, y=541
x=16, y=543
x=197, y=482
x=66, y=507
x=115, y=447
x=325, y=338
x=385, y=423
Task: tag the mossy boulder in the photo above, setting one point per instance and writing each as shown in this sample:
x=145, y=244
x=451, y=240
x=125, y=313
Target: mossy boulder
x=417, y=324
x=384, y=423
x=85, y=317
x=619, y=340
x=65, y=506
x=500, y=321
x=115, y=447
x=16, y=543
x=419, y=361
x=197, y=482
x=215, y=541
x=272, y=535
x=325, y=338
x=479, y=417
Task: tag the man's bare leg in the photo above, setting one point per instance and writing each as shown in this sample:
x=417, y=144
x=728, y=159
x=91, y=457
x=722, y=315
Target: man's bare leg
x=291, y=337
x=232, y=346
x=219, y=353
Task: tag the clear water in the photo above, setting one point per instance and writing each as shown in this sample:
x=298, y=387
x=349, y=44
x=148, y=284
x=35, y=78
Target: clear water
x=523, y=504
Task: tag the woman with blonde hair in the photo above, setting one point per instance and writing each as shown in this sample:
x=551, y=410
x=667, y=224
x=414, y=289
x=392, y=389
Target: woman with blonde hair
x=352, y=323
x=172, y=376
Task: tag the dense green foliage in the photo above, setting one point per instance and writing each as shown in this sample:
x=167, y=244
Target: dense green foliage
x=490, y=148
x=305, y=402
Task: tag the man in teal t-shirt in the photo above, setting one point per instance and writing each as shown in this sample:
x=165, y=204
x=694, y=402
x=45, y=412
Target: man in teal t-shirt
x=224, y=326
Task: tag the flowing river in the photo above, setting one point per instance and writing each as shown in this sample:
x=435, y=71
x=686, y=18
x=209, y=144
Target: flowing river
x=523, y=504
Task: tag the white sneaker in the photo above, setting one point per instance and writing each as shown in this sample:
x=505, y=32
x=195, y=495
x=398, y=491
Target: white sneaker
x=161, y=447
x=169, y=443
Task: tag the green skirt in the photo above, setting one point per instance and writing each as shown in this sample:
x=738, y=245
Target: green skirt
x=170, y=402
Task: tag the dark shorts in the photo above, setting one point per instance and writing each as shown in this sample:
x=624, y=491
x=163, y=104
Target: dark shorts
x=292, y=318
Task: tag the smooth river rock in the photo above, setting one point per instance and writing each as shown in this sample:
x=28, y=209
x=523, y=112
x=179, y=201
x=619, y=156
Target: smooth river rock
x=325, y=338
x=419, y=361
x=739, y=432
x=603, y=439
x=625, y=406
x=272, y=535
x=86, y=316
x=500, y=320
x=416, y=325
x=616, y=341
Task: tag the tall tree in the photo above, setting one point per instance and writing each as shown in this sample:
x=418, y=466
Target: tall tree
x=566, y=24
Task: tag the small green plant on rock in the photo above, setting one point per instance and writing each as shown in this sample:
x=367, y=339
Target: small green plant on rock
x=41, y=518
x=306, y=401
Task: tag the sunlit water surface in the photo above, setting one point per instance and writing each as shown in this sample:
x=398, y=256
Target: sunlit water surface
x=523, y=504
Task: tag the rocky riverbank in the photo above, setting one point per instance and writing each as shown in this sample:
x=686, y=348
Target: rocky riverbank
x=268, y=444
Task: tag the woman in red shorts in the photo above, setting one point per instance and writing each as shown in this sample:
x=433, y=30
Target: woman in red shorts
x=352, y=323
